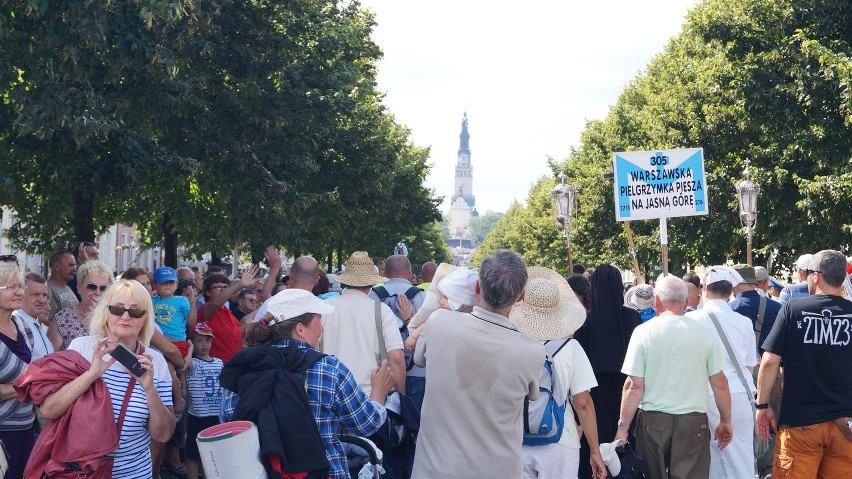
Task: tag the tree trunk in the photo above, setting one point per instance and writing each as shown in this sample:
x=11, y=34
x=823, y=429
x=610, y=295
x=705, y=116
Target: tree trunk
x=339, y=257
x=330, y=262
x=170, y=242
x=84, y=210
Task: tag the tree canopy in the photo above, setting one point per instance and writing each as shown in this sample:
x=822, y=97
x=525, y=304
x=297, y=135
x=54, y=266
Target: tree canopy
x=760, y=80
x=218, y=125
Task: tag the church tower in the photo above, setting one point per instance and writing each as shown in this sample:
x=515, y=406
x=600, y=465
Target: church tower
x=464, y=170
x=463, y=203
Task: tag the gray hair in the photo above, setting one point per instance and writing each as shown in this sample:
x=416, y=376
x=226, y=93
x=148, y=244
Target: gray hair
x=671, y=289
x=93, y=267
x=502, y=278
x=831, y=264
x=35, y=278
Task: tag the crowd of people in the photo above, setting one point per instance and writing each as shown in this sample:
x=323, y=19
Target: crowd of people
x=471, y=366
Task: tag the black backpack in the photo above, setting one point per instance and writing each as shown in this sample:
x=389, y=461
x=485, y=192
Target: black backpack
x=271, y=385
x=390, y=300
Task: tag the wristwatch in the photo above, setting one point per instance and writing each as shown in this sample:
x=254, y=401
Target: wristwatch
x=623, y=425
x=761, y=406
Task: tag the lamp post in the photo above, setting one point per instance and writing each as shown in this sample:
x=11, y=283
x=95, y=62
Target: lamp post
x=747, y=192
x=565, y=199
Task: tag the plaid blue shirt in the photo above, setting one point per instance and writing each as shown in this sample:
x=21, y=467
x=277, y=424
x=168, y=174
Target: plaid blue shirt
x=335, y=399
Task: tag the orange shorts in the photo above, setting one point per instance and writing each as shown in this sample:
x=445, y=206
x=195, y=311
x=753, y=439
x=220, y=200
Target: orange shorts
x=819, y=450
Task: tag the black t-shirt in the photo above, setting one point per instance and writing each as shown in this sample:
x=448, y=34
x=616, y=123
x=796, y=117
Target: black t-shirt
x=814, y=336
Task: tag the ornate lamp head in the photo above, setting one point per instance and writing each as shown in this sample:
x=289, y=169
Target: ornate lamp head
x=747, y=193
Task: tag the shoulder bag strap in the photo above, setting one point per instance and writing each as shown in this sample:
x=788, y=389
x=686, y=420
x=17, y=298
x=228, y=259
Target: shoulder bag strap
x=412, y=292
x=560, y=347
x=124, y=403
x=732, y=357
x=758, y=322
x=381, y=292
x=25, y=330
x=383, y=352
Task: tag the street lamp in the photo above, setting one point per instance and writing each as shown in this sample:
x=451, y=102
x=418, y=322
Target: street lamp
x=747, y=192
x=565, y=199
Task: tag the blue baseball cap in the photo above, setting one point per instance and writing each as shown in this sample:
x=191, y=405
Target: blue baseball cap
x=164, y=274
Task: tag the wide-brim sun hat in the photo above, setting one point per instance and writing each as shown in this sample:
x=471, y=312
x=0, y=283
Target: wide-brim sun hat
x=549, y=309
x=359, y=271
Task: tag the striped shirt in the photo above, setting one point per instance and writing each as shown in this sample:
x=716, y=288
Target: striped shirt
x=335, y=400
x=15, y=415
x=202, y=382
x=133, y=458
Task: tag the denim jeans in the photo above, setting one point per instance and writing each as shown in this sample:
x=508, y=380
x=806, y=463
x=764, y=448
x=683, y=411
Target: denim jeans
x=415, y=388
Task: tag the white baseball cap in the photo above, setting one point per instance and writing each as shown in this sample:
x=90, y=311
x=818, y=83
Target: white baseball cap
x=804, y=261
x=723, y=273
x=294, y=302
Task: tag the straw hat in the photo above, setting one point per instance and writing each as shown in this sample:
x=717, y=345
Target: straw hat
x=550, y=309
x=359, y=271
x=639, y=297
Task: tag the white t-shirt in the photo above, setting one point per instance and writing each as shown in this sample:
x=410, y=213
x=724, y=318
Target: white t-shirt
x=575, y=374
x=350, y=334
x=740, y=333
x=133, y=457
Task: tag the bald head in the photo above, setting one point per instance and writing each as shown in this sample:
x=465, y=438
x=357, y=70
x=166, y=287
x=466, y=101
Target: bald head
x=427, y=272
x=398, y=266
x=304, y=273
x=693, y=295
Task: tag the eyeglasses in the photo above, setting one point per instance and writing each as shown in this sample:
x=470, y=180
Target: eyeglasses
x=218, y=287
x=809, y=272
x=9, y=258
x=95, y=287
x=120, y=310
x=17, y=287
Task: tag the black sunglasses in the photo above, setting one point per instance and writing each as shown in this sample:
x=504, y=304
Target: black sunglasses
x=9, y=258
x=120, y=310
x=809, y=272
x=94, y=287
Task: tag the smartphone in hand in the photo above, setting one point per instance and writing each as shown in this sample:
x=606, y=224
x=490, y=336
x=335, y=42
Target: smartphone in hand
x=128, y=360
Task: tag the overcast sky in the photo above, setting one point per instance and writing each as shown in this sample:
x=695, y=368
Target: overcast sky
x=529, y=74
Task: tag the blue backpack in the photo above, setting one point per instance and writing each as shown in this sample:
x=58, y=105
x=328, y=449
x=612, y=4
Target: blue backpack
x=545, y=417
x=390, y=300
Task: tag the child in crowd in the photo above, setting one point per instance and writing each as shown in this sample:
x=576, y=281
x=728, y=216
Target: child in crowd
x=172, y=313
x=203, y=391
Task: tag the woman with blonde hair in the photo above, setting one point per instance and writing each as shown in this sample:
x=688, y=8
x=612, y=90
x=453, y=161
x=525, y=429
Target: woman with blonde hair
x=124, y=316
x=16, y=418
x=93, y=278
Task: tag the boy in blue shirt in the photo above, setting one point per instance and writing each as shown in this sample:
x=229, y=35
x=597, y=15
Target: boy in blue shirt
x=173, y=314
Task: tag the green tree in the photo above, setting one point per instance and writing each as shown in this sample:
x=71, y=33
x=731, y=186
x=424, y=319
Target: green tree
x=217, y=125
x=762, y=80
x=480, y=226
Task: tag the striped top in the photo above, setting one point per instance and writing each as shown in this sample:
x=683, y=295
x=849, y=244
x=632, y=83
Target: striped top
x=133, y=458
x=15, y=415
x=202, y=382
